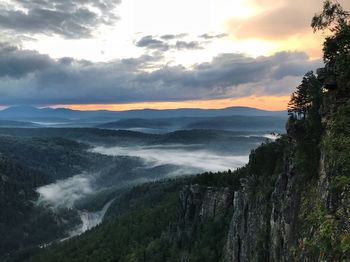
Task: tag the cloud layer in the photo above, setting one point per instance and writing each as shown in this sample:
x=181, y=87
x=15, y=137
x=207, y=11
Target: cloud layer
x=28, y=77
x=67, y=18
x=279, y=19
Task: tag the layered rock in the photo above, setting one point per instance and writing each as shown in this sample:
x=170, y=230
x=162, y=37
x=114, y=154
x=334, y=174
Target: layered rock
x=198, y=204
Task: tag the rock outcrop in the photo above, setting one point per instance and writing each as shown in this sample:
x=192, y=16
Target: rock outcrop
x=198, y=204
x=305, y=216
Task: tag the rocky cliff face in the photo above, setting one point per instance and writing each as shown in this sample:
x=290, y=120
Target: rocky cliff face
x=199, y=204
x=201, y=209
x=304, y=217
x=262, y=228
x=266, y=228
x=247, y=228
x=282, y=214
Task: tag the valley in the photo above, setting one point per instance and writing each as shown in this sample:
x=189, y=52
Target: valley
x=83, y=172
x=123, y=138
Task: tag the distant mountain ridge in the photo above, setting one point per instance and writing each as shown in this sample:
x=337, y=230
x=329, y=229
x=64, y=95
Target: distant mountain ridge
x=10, y=123
x=27, y=112
x=235, y=122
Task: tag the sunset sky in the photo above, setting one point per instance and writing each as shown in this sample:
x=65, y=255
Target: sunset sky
x=118, y=55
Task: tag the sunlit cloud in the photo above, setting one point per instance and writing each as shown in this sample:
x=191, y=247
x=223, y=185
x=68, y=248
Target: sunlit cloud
x=284, y=24
x=155, y=51
x=29, y=77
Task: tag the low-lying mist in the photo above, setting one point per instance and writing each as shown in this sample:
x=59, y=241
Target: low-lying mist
x=64, y=196
x=140, y=164
x=65, y=192
x=130, y=163
x=187, y=158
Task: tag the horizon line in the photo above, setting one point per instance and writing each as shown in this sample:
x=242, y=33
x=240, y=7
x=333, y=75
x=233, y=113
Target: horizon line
x=268, y=103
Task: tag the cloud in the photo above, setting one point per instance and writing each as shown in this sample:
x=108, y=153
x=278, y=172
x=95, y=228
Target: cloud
x=28, y=77
x=150, y=42
x=172, y=37
x=171, y=42
x=18, y=63
x=212, y=36
x=279, y=19
x=275, y=24
x=193, y=45
x=70, y=19
x=164, y=43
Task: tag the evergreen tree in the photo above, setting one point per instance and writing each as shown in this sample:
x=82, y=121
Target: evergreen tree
x=307, y=96
x=336, y=48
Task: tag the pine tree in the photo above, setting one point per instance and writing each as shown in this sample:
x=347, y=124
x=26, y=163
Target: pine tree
x=304, y=97
x=336, y=48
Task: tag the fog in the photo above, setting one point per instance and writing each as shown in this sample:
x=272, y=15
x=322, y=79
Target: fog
x=65, y=192
x=138, y=164
x=90, y=220
x=272, y=136
x=174, y=160
x=180, y=155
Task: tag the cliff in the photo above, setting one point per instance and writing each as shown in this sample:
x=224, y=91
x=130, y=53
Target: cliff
x=264, y=226
x=305, y=216
x=293, y=202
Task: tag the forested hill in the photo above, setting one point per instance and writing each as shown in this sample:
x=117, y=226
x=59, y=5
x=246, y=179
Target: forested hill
x=289, y=203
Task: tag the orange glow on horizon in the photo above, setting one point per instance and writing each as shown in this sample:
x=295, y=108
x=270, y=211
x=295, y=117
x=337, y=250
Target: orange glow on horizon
x=272, y=103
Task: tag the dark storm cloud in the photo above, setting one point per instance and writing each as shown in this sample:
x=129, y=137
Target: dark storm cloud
x=39, y=79
x=70, y=19
x=16, y=63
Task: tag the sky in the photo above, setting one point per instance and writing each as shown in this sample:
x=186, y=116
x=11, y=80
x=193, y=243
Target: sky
x=119, y=55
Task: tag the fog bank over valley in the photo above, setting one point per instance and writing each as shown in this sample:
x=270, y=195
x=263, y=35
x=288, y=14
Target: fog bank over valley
x=89, y=194
x=81, y=172
x=179, y=155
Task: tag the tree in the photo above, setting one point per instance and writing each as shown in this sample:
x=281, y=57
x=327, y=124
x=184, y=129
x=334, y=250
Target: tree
x=333, y=17
x=336, y=48
x=308, y=94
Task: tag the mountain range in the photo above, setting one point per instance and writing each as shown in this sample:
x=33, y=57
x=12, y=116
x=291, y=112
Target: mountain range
x=63, y=114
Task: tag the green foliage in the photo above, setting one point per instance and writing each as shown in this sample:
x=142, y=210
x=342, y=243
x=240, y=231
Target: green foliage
x=139, y=227
x=22, y=223
x=322, y=237
x=336, y=48
x=307, y=130
x=208, y=244
x=54, y=156
x=337, y=150
x=222, y=179
x=266, y=163
x=333, y=17
x=28, y=163
x=134, y=233
x=324, y=225
x=306, y=103
x=307, y=98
